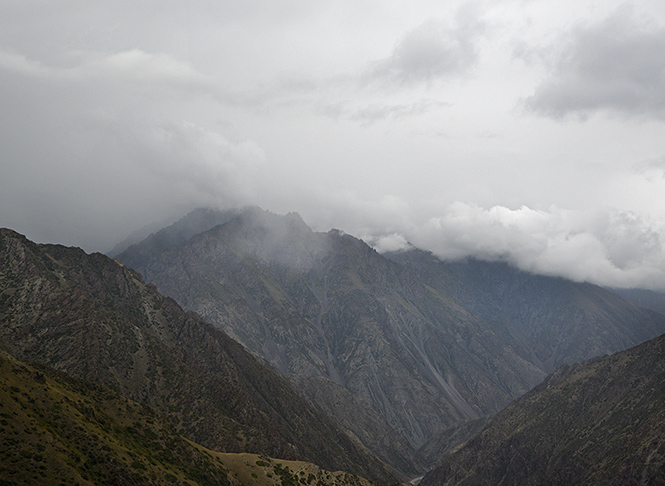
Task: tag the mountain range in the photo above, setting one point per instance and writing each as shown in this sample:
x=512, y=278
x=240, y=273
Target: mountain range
x=424, y=350
x=96, y=320
x=105, y=380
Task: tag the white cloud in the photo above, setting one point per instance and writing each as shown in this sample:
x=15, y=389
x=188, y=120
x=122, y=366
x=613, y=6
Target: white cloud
x=608, y=247
x=388, y=243
x=134, y=66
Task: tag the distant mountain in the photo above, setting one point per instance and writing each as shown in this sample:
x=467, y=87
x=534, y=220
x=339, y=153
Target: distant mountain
x=326, y=304
x=644, y=298
x=559, y=321
x=429, y=346
x=91, y=317
x=159, y=236
x=599, y=423
x=58, y=430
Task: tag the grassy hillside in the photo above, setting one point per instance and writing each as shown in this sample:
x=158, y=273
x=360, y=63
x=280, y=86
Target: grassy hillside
x=96, y=320
x=58, y=430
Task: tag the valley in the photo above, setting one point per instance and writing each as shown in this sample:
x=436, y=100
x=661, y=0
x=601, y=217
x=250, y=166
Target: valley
x=301, y=346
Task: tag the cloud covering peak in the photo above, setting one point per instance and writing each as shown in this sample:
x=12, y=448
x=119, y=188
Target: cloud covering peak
x=530, y=132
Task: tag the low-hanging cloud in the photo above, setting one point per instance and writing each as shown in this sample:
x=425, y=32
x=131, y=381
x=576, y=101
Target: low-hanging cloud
x=95, y=144
x=615, y=65
x=608, y=247
x=214, y=166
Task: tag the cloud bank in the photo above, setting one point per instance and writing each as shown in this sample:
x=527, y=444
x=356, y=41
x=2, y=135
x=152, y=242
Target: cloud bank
x=610, y=247
x=400, y=122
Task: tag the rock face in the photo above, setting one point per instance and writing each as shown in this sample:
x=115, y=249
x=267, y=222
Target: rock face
x=95, y=319
x=362, y=422
x=602, y=422
x=328, y=305
x=428, y=346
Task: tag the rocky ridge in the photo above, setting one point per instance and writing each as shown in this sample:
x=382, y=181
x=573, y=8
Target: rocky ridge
x=429, y=346
x=95, y=319
x=601, y=422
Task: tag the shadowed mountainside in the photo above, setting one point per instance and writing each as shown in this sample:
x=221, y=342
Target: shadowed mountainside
x=96, y=320
x=559, y=321
x=598, y=423
x=429, y=346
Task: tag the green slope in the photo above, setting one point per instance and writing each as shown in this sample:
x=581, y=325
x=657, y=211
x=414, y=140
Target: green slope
x=57, y=430
x=61, y=431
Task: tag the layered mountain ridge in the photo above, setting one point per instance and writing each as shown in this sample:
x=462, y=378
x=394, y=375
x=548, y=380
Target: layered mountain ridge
x=97, y=320
x=429, y=346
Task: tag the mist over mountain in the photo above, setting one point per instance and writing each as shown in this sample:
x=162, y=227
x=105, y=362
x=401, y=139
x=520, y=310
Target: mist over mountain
x=427, y=345
x=437, y=124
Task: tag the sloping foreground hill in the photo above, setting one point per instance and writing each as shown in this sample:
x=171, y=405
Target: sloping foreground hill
x=58, y=430
x=96, y=320
x=599, y=423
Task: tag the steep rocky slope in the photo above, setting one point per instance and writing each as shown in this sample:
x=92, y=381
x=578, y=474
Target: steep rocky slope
x=599, y=423
x=329, y=305
x=96, y=320
x=645, y=298
x=428, y=345
x=559, y=321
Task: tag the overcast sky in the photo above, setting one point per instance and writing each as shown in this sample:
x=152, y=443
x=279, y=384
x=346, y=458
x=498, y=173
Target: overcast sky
x=531, y=131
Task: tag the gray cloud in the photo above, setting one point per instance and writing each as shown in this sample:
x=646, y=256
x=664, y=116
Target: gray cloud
x=372, y=113
x=116, y=114
x=432, y=51
x=88, y=153
x=616, y=65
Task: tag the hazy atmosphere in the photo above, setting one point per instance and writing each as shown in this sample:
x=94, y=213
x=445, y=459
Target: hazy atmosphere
x=527, y=131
